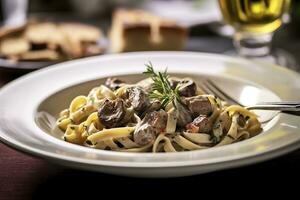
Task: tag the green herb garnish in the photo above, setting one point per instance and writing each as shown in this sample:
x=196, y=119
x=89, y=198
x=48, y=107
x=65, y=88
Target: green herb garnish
x=92, y=99
x=161, y=88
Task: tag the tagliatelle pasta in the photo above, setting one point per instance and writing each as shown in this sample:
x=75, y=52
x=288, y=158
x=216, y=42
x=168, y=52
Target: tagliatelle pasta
x=173, y=117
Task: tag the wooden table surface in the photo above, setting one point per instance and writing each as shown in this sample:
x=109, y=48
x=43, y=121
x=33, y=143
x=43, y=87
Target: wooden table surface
x=26, y=177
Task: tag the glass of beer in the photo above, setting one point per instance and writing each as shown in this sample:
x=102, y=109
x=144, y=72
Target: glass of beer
x=254, y=22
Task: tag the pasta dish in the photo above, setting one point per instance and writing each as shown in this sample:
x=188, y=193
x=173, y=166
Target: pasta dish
x=158, y=114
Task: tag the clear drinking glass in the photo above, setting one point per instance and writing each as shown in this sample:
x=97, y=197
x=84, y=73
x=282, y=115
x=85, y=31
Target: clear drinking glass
x=254, y=22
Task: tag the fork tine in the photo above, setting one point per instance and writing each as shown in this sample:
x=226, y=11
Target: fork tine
x=220, y=93
x=211, y=90
x=208, y=90
x=205, y=89
x=292, y=103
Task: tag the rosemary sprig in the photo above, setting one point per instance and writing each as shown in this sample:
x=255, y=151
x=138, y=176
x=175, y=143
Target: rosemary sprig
x=161, y=88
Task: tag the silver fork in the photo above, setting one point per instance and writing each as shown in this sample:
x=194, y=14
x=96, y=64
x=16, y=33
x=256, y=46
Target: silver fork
x=208, y=86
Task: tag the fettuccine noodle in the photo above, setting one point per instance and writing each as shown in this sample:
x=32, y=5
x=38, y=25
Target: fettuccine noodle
x=95, y=121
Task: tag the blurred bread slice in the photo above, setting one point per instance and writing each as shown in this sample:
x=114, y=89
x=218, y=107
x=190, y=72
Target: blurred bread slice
x=47, y=54
x=50, y=41
x=44, y=33
x=9, y=31
x=13, y=45
x=77, y=37
x=137, y=30
x=81, y=32
x=171, y=37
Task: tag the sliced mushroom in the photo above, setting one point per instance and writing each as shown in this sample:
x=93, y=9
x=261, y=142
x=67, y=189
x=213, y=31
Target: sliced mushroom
x=112, y=113
x=198, y=105
x=201, y=124
x=114, y=83
x=241, y=120
x=225, y=121
x=137, y=98
x=153, y=123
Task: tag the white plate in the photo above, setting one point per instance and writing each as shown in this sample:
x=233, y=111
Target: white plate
x=52, y=88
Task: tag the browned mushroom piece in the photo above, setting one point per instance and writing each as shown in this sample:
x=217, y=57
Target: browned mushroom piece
x=153, y=123
x=201, y=124
x=137, y=98
x=183, y=115
x=187, y=87
x=198, y=105
x=154, y=106
x=157, y=119
x=114, y=83
x=144, y=134
x=174, y=82
x=146, y=84
x=112, y=113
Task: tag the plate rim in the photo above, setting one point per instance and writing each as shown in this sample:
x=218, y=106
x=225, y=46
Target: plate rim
x=7, y=86
x=248, y=160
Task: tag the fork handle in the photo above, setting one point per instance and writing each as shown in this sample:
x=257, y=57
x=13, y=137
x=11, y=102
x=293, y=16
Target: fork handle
x=297, y=113
x=291, y=103
x=287, y=108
